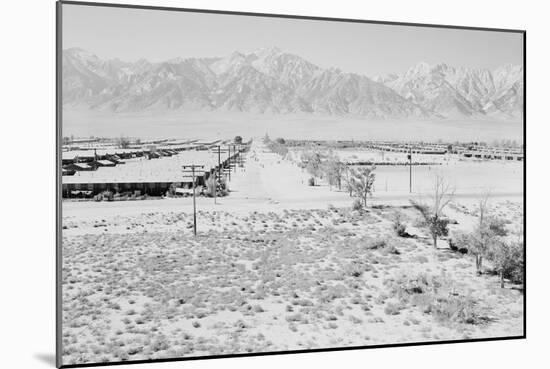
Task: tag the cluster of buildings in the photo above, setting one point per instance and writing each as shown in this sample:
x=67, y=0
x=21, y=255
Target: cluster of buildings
x=465, y=150
x=87, y=160
x=79, y=165
x=414, y=148
x=473, y=151
x=488, y=152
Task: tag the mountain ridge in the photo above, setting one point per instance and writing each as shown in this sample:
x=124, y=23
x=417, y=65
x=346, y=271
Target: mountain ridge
x=273, y=81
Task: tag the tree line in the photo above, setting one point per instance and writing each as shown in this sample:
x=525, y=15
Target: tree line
x=489, y=240
x=357, y=181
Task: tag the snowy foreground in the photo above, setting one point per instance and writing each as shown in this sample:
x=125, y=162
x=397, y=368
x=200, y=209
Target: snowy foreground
x=273, y=268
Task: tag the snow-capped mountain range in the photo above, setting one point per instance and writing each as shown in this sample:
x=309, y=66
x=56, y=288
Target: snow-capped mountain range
x=273, y=81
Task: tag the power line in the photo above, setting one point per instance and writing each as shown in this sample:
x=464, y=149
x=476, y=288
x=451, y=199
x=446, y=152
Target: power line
x=191, y=168
x=410, y=168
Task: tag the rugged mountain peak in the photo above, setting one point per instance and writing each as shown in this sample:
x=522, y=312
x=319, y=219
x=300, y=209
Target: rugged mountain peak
x=267, y=51
x=271, y=80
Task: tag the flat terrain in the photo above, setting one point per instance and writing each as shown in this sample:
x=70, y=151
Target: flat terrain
x=274, y=267
x=152, y=124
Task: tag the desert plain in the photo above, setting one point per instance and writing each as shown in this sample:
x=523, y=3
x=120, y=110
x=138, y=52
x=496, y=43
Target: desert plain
x=280, y=266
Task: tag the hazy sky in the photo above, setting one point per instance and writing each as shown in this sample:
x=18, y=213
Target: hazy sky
x=370, y=49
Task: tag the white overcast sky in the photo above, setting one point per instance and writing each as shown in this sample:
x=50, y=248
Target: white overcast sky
x=370, y=49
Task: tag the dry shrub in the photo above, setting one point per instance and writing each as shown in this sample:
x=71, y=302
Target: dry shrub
x=383, y=244
x=333, y=292
x=437, y=296
x=392, y=308
x=398, y=226
x=357, y=205
x=461, y=309
x=459, y=241
x=356, y=269
x=377, y=243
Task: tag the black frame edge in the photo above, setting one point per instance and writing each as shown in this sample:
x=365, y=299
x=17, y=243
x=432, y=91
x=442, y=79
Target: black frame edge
x=58, y=186
x=524, y=184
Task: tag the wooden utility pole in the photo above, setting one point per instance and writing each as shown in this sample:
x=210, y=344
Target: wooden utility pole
x=217, y=176
x=219, y=157
x=187, y=168
x=236, y=156
x=239, y=158
x=229, y=160
x=410, y=169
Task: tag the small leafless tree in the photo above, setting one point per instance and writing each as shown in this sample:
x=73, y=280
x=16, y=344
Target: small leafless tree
x=123, y=142
x=432, y=212
x=348, y=179
x=335, y=169
x=487, y=234
x=312, y=162
x=362, y=183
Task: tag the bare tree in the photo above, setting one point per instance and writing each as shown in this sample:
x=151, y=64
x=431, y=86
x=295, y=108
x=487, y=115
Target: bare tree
x=335, y=169
x=362, y=182
x=486, y=234
x=312, y=162
x=348, y=179
x=432, y=214
x=123, y=142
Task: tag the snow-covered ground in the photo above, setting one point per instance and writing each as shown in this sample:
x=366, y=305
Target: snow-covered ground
x=273, y=267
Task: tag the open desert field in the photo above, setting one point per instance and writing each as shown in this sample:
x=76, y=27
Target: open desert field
x=206, y=125
x=277, y=265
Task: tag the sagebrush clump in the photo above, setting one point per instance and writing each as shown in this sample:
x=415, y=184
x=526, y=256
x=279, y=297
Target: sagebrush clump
x=437, y=296
x=398, y=226
x=357, y=205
